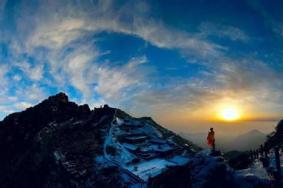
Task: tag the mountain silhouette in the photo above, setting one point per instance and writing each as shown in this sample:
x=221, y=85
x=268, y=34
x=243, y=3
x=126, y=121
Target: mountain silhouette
x=58, y=143
x=247, y=141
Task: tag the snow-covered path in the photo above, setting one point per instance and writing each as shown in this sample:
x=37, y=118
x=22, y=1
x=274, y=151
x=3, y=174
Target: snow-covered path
x=108, y=141
x=109, y=138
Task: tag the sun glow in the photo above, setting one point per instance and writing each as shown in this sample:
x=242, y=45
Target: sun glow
x=229, y=114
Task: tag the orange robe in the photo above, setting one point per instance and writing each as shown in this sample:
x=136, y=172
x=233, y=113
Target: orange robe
x=210, y=139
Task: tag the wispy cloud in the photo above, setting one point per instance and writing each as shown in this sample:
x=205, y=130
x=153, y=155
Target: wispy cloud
x=57, y=34
x=223, y=31
x=113, y=82
x=33, y=72
x=3, y=71
x=58, y=31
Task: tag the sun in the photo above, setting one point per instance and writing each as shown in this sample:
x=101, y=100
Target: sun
x=229, y=114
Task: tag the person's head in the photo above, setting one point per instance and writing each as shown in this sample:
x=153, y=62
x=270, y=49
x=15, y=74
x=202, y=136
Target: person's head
x=211, y=129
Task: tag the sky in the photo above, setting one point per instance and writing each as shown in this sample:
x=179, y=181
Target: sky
x=178, y=61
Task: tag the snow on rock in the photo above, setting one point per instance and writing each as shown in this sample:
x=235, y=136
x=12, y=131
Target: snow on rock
x=159, y=148
x=138, y=146
x=209, y=170
x=214, y=171
x=102, y=162
x=179, y=160
x=130, y=146
x=156, y=166
x=255, y=170
x=119, y=121
x=149, y=168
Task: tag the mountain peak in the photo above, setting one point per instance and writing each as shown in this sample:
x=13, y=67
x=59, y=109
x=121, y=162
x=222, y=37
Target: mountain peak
x=60, y=97
x=255, y=131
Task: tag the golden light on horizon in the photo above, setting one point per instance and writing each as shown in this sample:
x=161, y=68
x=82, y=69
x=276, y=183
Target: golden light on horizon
x=229, y=113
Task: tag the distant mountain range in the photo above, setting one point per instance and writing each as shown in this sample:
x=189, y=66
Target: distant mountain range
x=250, y=140
x=247, y=141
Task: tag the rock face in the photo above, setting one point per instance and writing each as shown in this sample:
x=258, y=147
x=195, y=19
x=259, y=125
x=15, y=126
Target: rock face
x=58, y=143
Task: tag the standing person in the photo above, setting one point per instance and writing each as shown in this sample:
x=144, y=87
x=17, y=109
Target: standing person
x=211, y=139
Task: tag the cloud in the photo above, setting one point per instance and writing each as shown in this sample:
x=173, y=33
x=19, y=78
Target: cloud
x=76, y=65
x=64, y=30
x=6, y=109
x=136, y=61
x=247, y=74
x=233, y=33
x=252, y=80
x=113, y=82
x=7, y=99
x=17, y=77
x=34, y=72
x=278, y=28
x=248, y=83
x=57, y=32
x=23, y=98
x=175, y=97
x=82, y=69
x=33, y=93
x=3, y=80
x=22, y=105
x=14, y=107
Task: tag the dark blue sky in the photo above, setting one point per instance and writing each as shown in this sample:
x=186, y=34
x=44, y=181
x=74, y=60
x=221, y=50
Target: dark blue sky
x=147, y=57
